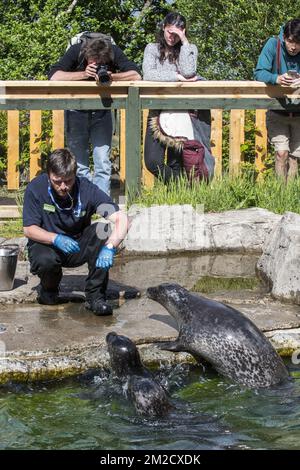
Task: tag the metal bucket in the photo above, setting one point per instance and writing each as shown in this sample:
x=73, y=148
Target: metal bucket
x=8, y=265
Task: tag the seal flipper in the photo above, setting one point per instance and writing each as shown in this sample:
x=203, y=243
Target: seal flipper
x=174, y=346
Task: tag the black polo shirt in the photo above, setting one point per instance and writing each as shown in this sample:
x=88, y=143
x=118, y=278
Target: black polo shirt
x=40, y=209
x=73, y=61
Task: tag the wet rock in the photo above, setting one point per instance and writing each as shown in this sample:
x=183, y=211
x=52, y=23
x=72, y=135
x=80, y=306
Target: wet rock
x=285, y=341
x=279, y=265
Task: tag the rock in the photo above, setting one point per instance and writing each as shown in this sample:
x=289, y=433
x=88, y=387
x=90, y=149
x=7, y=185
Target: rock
x=162, y=229
x=285, y=341
x=242, y=230
x=279, y=264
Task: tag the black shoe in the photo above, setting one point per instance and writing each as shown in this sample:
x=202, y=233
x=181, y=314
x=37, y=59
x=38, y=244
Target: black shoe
x=99, y=307
x=47, y=297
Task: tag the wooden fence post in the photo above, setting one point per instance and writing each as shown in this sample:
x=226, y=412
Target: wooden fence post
x=13, y=149
x=133, y=140
x=147, y=177
x=216, y=139
x=35, y=140
x=261, y=139
x=122, y=138
x=58, y=129
x=236, y=138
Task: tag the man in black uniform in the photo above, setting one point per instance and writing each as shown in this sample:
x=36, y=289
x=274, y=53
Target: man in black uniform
x=57, y=212
x=96, y=59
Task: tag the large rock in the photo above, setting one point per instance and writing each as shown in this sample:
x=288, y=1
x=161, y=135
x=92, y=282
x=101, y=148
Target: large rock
x=162, y=229
x=279, y=265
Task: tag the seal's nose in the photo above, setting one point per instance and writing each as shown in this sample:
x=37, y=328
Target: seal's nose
x=151, y=293
x=110, y=337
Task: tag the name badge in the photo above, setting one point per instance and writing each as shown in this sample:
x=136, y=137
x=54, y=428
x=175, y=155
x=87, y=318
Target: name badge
x=48, y=208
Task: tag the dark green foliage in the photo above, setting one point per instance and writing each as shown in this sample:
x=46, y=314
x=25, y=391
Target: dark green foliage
x=230, y=33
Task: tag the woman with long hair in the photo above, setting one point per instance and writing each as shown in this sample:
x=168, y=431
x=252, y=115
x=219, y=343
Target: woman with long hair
x=172, y=58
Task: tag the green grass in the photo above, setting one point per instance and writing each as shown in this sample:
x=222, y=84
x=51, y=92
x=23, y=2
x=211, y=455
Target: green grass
x=11, y=228
x=208, y=284
x=225, y=194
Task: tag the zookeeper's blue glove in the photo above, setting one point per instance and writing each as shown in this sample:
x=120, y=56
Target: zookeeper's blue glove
x=66, y=244
x=106, y=256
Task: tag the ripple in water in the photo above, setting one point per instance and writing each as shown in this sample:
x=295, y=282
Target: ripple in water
x=91, y=412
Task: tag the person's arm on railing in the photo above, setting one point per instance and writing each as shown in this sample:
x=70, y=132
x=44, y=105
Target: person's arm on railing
x=187, y=62
x=61, y=75
x=130, y=75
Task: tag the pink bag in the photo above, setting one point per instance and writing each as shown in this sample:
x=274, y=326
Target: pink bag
x=193, y=160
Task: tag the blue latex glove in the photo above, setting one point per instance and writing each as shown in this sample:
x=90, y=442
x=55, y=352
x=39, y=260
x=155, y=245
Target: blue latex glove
x=66, y=244
x=105, y=258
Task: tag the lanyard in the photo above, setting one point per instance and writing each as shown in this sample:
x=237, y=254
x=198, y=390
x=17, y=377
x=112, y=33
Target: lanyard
x=76, y=210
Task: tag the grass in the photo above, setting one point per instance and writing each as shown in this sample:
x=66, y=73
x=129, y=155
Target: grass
x=226, y=194
x=208, y=284
x=11, y=228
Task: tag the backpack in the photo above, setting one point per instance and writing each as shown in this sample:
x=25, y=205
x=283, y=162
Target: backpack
x=84, y=36
x=193, y=155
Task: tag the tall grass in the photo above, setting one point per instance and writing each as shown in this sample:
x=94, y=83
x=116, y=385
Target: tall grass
x=224, y=194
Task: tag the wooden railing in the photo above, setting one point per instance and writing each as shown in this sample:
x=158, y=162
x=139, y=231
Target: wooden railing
x=134, y=99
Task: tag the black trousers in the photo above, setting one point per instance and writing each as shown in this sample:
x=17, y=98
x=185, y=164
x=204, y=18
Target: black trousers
x=154, y=151
x=47, y=261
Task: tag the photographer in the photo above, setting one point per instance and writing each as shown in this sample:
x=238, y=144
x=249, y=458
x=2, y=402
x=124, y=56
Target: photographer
x=102, y=61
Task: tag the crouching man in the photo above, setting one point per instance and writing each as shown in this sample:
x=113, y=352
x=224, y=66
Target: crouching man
x=57, y=211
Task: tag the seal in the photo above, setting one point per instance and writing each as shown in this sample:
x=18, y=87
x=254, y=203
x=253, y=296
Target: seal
x=148, y=396
x=222, y=336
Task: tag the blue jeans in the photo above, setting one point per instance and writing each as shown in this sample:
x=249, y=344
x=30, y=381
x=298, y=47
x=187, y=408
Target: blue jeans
x=91, y=127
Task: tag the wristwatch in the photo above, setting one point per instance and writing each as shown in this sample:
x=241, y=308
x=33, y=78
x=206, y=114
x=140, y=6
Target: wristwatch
x=110, y=246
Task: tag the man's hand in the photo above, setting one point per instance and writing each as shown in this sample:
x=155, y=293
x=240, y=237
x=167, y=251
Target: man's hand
x=66, y=244
x=90, y=71
x=105, y=258
x=285, y=79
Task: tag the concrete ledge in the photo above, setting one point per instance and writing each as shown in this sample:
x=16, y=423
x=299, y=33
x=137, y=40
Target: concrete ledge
x=9, y=212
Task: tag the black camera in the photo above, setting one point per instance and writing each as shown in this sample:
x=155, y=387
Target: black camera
x=102, y=73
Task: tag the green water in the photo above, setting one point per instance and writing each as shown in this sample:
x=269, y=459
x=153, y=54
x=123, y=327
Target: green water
x=209, y=413
x=209, y=284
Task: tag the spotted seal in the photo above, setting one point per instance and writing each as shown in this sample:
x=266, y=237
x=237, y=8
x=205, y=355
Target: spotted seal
x=148, y=396
x=222, y=336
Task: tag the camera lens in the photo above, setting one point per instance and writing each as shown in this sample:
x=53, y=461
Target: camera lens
x=102, y=73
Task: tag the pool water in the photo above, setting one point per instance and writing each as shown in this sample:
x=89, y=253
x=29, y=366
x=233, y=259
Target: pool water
x=90, y=412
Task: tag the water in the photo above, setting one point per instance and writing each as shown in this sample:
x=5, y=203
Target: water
x=89, y=412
